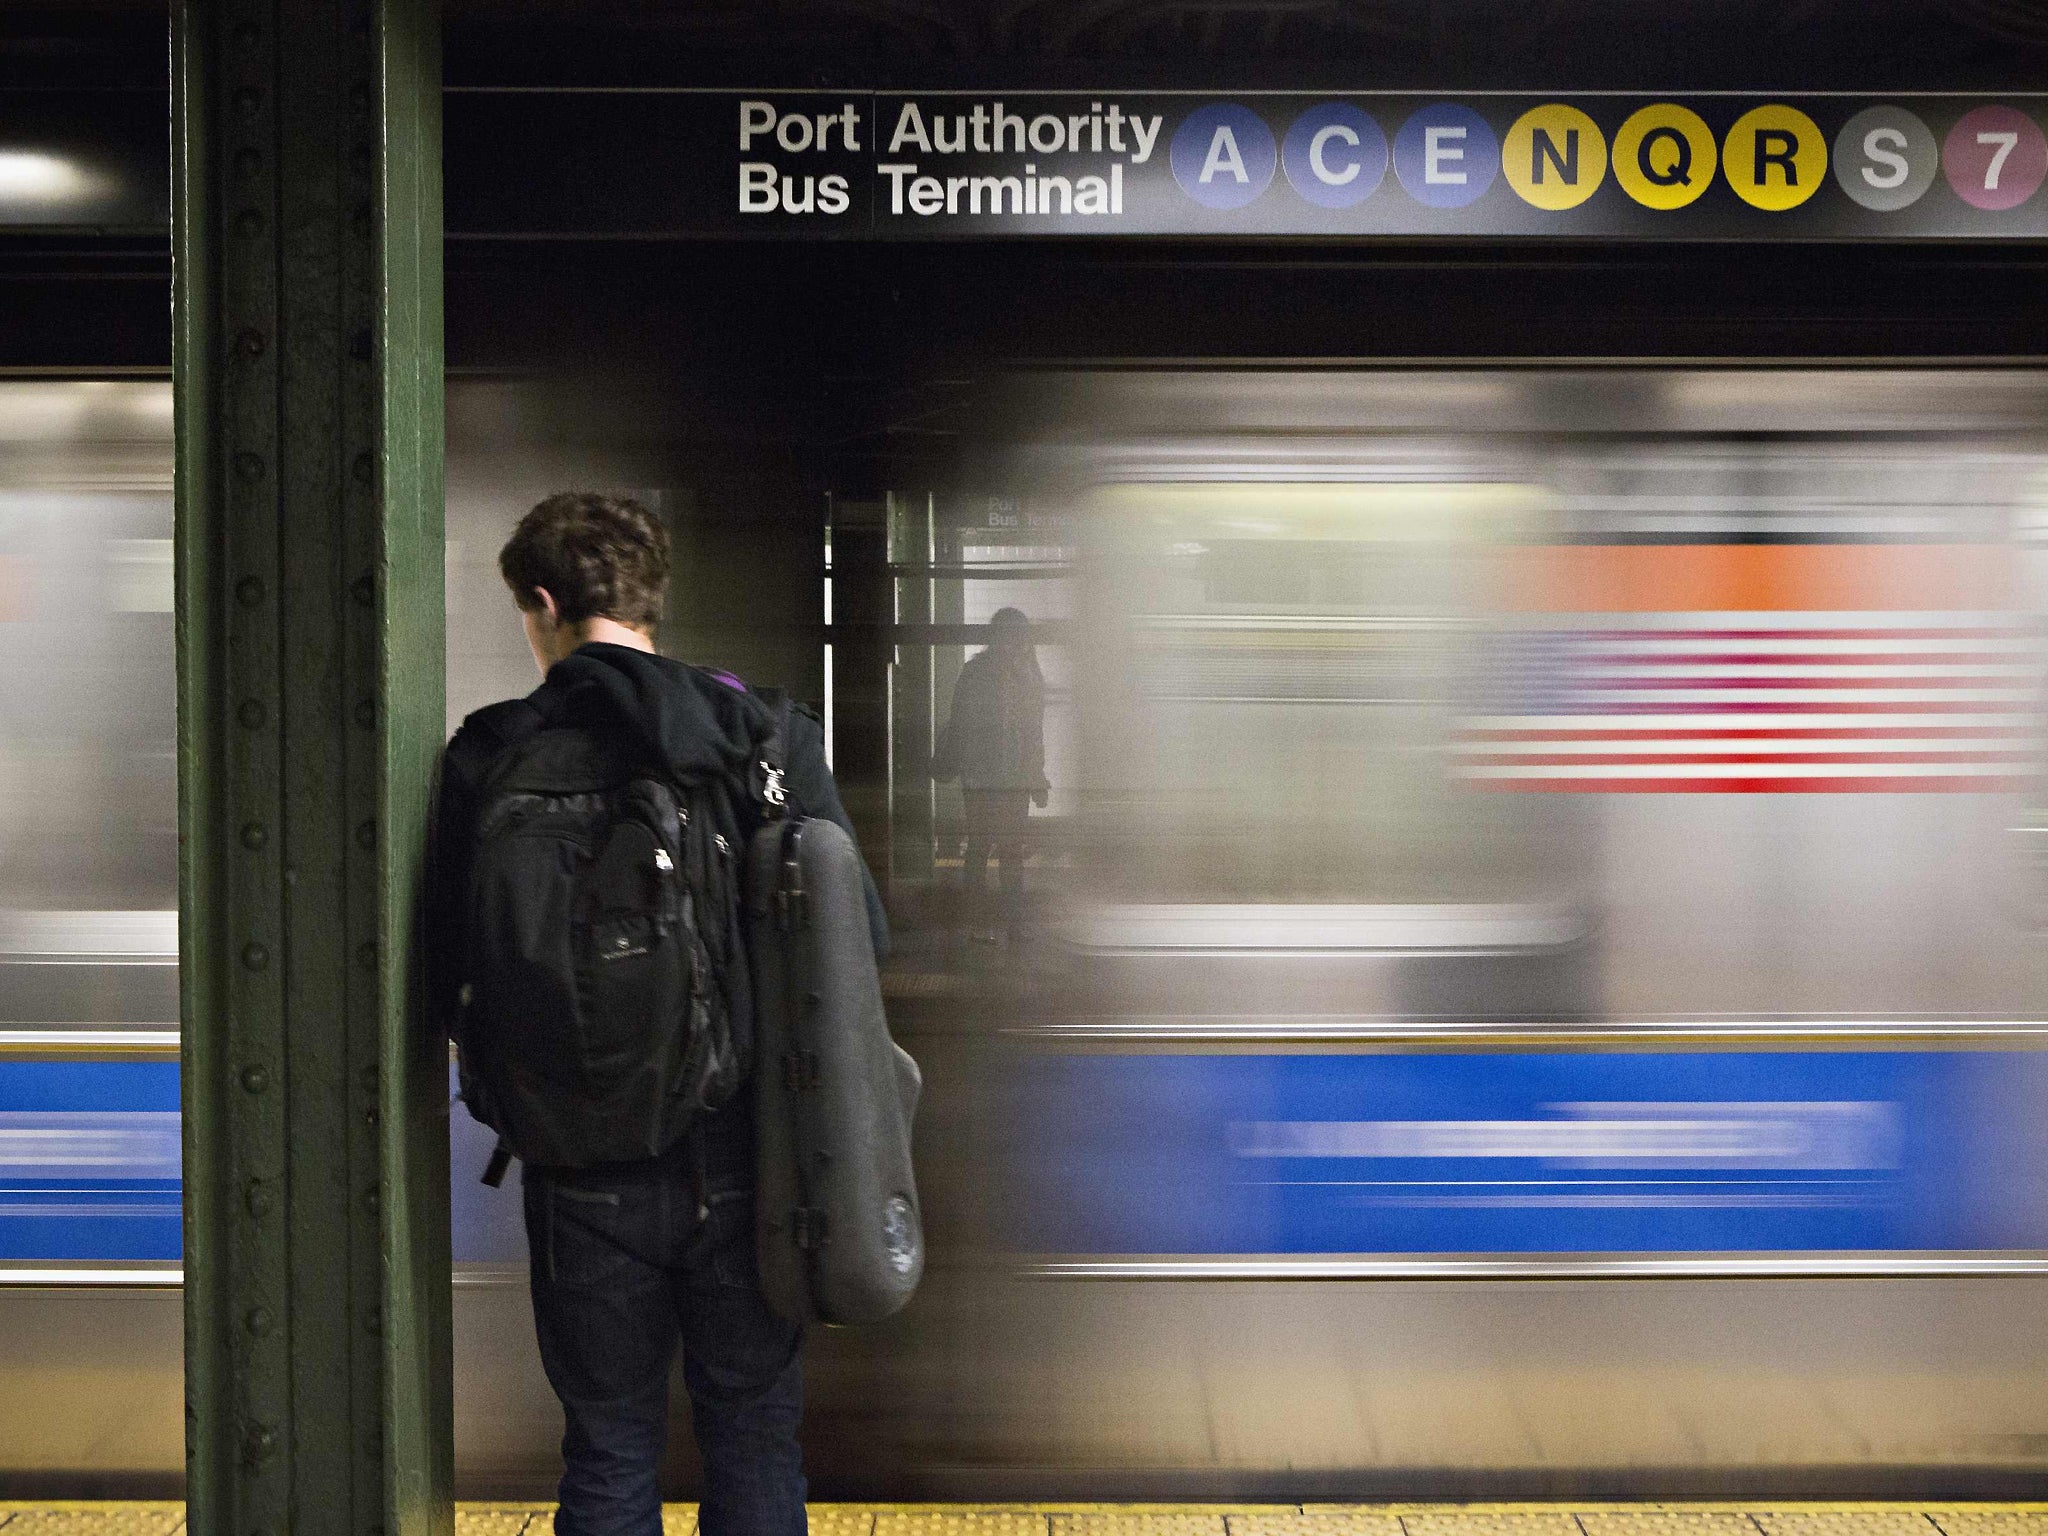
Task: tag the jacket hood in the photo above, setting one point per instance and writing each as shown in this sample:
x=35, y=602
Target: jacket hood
x=697, y=721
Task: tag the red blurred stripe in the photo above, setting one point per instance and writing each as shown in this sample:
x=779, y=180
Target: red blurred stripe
x=1796, y=658
x=1797, y=707
x=1682, y=684
x=1677, y=761
x=1791, y=635
x=1765, y=784
x=1758, y=733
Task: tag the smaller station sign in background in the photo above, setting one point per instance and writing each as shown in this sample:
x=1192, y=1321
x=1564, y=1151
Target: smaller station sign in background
x=877, y=165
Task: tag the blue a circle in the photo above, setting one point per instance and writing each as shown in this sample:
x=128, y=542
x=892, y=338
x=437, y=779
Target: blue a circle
x=1222, y=156
x=1446, y=155
x=1335, y=155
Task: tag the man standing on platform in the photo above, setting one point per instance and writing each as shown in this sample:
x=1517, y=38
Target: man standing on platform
x=637, y=1145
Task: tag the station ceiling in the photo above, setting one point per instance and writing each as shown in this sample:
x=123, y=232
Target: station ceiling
x=1358, y=44
x=1388, y=43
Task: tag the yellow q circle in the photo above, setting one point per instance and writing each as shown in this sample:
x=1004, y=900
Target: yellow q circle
x=1775, y=158
x=1664, y=156
x=1554, y=157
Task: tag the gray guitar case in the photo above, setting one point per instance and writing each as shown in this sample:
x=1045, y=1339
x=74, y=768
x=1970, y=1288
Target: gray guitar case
x=837, y=1225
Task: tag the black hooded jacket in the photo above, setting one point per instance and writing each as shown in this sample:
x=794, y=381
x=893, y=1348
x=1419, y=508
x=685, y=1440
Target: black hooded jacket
x=697, y=721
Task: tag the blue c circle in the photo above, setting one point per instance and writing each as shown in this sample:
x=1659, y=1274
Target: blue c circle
x=1335, y=155
x=1223, y=156
x=1446, y=155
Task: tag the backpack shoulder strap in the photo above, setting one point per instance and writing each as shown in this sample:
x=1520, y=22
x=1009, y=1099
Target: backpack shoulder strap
x=485, y=735
x=504, y=728
x=492, y=736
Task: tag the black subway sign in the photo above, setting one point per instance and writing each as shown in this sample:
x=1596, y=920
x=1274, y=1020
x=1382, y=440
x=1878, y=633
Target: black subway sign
x=879, y=166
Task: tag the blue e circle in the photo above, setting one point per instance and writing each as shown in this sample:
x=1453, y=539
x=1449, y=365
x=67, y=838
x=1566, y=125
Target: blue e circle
x=1446, y=155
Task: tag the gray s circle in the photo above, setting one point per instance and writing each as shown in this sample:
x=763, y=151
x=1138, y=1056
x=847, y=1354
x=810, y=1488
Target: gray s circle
x=1885, y=158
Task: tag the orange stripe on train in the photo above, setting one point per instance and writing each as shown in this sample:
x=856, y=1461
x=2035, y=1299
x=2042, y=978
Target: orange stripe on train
x=1702, y=578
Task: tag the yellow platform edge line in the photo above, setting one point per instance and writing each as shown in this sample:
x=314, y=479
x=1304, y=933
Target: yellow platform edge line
x=1086, y=1507
x=1215, y=1510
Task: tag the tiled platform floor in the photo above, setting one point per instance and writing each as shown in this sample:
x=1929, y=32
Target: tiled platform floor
x=1749, y=1519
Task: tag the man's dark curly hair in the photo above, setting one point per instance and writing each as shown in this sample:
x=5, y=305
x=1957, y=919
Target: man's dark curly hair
x=602, y=557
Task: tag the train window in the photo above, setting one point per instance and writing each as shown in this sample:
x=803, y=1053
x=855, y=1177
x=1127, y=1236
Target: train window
x=88, y=763
x=1273, y=676
x=1308, y=573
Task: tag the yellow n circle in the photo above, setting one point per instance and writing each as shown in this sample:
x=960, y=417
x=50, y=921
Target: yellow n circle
x=1555, y=157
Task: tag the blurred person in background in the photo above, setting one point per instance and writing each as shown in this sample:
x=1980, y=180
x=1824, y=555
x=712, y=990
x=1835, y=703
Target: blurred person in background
x=994, y=743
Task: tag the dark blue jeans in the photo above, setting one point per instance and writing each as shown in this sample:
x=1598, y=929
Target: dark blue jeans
x=623, y=1270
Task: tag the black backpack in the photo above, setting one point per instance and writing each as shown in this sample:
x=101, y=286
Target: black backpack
x=607, y=1002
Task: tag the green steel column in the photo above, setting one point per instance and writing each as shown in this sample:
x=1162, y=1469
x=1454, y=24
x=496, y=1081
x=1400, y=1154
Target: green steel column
x=308, y=346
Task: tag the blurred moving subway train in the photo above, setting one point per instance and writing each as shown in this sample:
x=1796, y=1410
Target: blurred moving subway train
x=1528, y=976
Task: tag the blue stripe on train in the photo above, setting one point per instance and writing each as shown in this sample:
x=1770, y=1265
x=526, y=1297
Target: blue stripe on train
x=1568, y=1152
x=1630, y=1152
x=89, y=1160
x=89, y=1168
